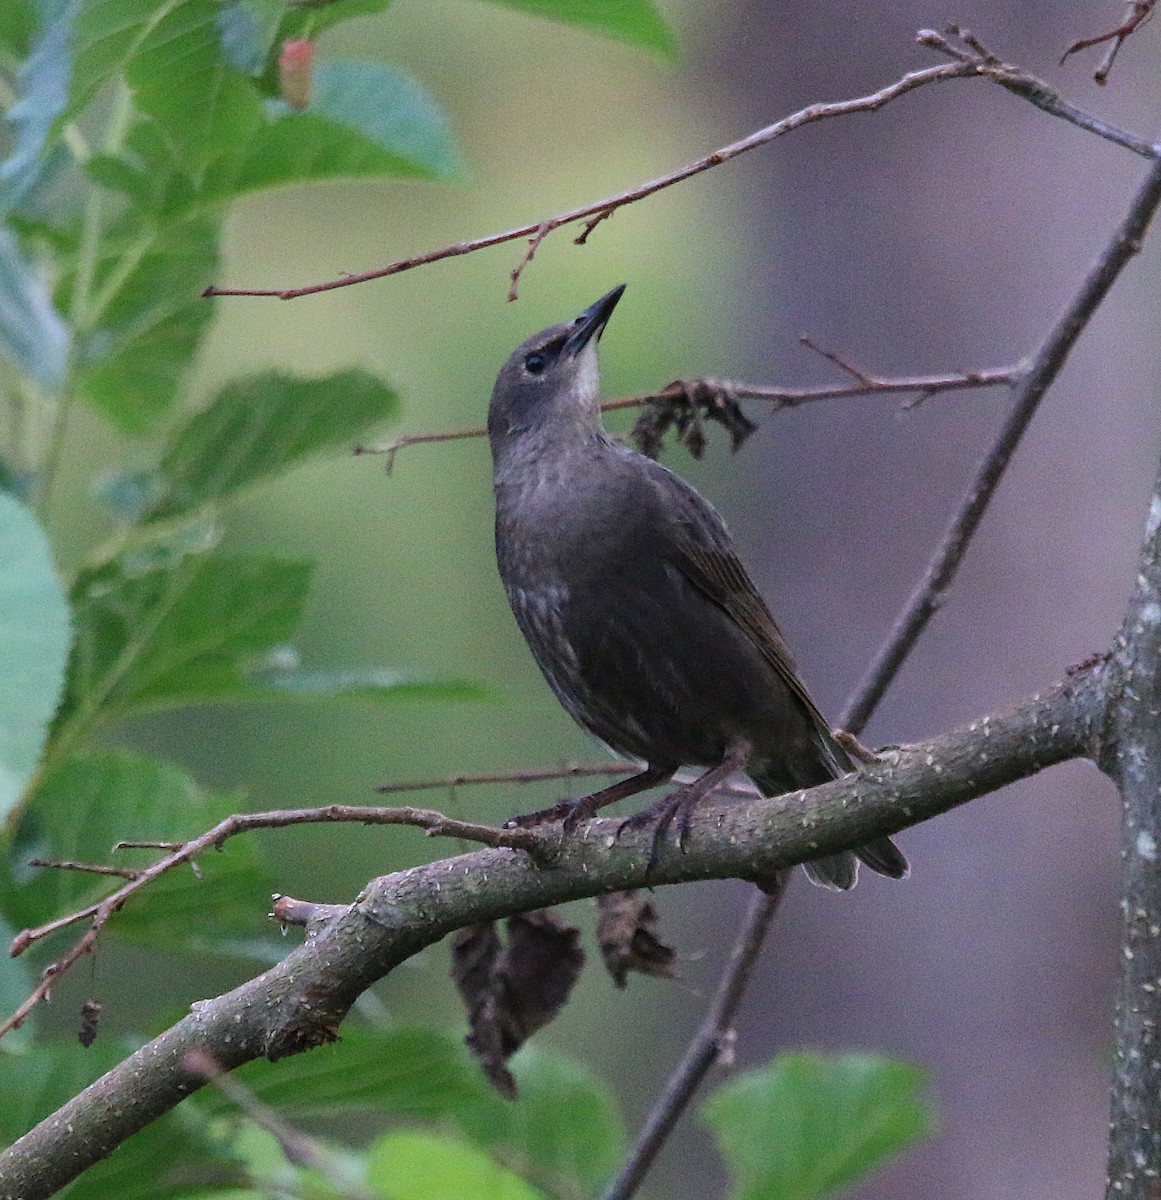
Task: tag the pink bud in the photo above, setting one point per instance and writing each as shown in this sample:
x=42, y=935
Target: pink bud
x=294, y=66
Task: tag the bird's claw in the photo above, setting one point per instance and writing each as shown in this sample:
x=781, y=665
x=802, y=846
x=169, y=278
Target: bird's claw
x=677, y=806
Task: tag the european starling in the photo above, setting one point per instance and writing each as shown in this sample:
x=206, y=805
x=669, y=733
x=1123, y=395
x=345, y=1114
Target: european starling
x=625, y=584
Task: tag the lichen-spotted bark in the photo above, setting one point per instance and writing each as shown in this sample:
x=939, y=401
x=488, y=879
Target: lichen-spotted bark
x=1134, y=760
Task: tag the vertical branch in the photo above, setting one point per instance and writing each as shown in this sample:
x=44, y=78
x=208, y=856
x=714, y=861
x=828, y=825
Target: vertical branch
x=929, y=595
x=1134, y=1169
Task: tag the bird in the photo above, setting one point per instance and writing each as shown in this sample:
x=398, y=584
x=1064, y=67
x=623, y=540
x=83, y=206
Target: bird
x=627, y=588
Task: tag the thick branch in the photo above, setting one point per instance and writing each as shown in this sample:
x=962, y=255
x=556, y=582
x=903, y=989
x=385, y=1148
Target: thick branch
x=1134, y=761
x=300, y=1002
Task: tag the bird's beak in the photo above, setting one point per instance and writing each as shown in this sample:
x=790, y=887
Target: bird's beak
x=591, y=323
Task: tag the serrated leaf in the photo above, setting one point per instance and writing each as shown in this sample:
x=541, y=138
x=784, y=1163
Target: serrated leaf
x=33, y=337
x=153, y=635
x=260, y=425
x=91, y=802
x=363, y=120
x=34, y=647
x=42, y=84
x=635, y=21
x=424, y=1166
x=808, y=1124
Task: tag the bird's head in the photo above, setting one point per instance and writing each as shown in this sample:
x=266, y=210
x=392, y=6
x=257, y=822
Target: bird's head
x=551, y=381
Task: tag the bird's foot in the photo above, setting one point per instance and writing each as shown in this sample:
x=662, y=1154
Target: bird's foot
x=864, y=754
x=677, y=806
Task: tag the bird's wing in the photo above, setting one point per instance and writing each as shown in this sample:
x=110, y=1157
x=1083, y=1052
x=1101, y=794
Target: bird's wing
x=703, y=552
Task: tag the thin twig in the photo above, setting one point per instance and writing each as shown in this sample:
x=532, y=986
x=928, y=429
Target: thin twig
x=972, y=62
x=520, y=775
x=68, y=864
x=1137, y=12
x=1029, y=87
x=299, y=1149
x=409, y=439
x=777, y=397
x=708, y=1044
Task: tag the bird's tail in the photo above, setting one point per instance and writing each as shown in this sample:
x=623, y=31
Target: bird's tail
x=837, y=872
x=840, y=872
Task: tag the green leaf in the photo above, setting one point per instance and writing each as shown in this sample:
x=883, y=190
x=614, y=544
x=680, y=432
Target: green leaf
x=809, y=1124
x=182, y=79
x=37, y=1083
x=106, y=35
x=91, y=802
x=375, y=685
x=423, y=1166
x=154, y=634
x=402, y=1071
x=261, y=425
x=151, y=320
x=17, y=27
x=635, y=21
x=363, y=121
x=34, y=647
x=313, y=19
x=249, y=28
x=33, y=338
x=565, y=1120
x=171, y=54
x=43, y=86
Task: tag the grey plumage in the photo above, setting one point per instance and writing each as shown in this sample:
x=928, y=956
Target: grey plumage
x=625, y=584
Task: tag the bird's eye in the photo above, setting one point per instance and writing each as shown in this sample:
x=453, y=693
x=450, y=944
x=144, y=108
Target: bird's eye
x=534, y=364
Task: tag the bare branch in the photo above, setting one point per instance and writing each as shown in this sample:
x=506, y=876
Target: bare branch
x=928, y=597
x=777, y=397
x=300, y=1002
x=520, y=775
x=975, y=61
x=1137, y=12
x=600, y=210
x=1028, y=87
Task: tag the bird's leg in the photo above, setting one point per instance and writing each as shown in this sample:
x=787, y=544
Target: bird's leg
x=861, y=753
x=575, y=811
x=680, y=804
